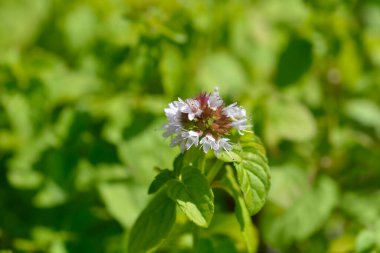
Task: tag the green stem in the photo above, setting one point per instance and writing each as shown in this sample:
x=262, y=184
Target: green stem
x=202, y=163
x=214, y=170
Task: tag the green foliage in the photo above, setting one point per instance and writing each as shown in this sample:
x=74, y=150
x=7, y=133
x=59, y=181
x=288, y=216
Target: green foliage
x=83, y=85
x=305, y=216
x=253, y=174
x=297, y=57
x=153, y=225
x=193, y=195
x=290, y=121
x=160, y=180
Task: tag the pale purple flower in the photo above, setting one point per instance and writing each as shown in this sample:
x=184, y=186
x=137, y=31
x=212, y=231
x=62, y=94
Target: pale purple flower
x=223, y=144
x=241, y=125
x=192, y=108
x=208, y=142
x=172, y=128
x=191, y=138
x=239, y=117
x=235, y=112
x=214, y=101
x=173, y=111
x=204, y=122
x=176, y=140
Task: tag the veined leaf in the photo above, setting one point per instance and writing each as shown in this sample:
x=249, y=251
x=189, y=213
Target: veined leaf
x=193, y=195
x=253, y=173
x=160, y=180
x=153, y=225
x=228, y=157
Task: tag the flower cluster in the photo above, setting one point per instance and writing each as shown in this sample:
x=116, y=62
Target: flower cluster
x=204, y=121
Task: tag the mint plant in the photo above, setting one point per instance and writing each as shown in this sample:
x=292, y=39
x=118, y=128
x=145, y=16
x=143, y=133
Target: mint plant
x=218, y=150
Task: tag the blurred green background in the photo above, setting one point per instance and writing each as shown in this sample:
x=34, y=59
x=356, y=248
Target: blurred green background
x=83, y=85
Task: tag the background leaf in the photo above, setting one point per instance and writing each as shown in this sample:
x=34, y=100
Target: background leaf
x=121, y=201
x=289, y=121
x=304, y=216
x=294, y=61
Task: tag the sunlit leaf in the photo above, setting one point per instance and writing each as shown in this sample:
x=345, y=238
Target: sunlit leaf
x=364, y=111
x=223, y=70
x=289, y=121
x=50, y=195
x=365, y=241
x=253, y=174
x=134, y=152
x=172, y=70
x=121, y=201
x=228, y=157
x=80, y=27
x=193, y=195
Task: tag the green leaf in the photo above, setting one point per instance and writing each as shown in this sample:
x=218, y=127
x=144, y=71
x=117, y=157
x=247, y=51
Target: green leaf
x=19, y=113
x=178, y=163
x=365, y=241
x=178, y=160
x=120, y=201
x=80, y=27
x=50, y=195
x=57, y=246
x=364, y=111
x=249, y=233
x=223, y=69
x=289, y=183
x=24, y=178
x=294, y=61
x=368, y=240
x=13, y=17
x=171, y=68
x=193, y=195
x=350, y=63
x=303, y=218
x=160, y=180
x=135, y=152
x=253, y=174
x=153, y=225
x=364, y=208
x=289, y=120
x=229, y=157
